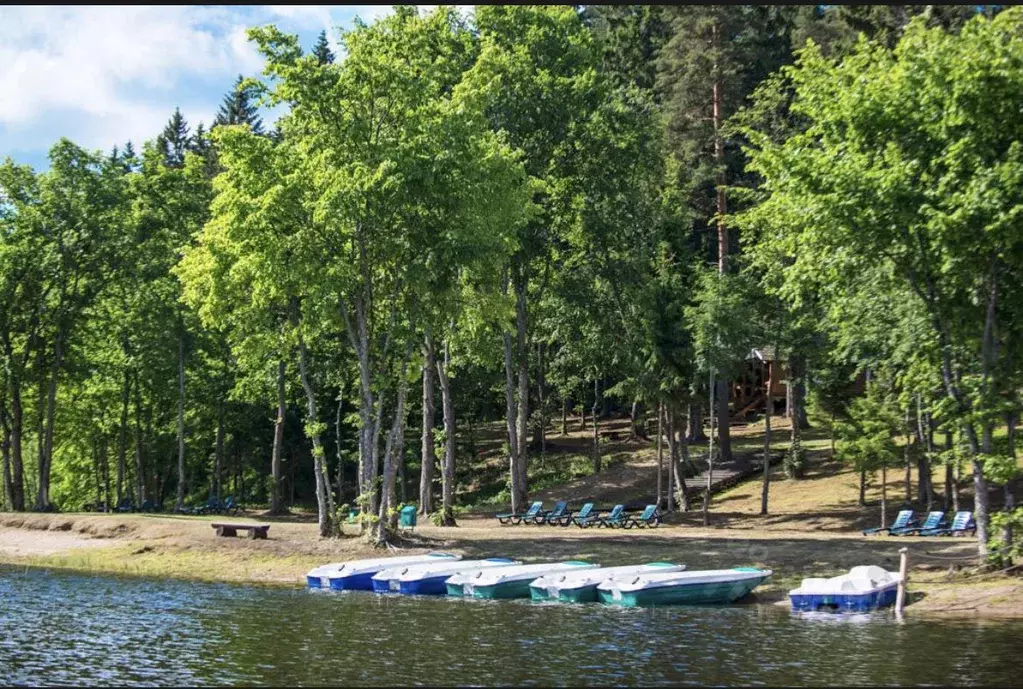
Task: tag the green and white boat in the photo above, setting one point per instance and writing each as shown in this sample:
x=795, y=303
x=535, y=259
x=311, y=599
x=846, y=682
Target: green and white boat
x=508, y=582
x=581, y=587
x=709, y=586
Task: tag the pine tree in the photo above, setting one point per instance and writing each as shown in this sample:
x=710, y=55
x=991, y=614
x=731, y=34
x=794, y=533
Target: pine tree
x=128, y=157
x=322, y=50
x=174, y=140
x=237, y=108
x=203, y=147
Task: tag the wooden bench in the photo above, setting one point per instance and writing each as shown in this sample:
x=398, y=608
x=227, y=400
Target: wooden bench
x=254, y=530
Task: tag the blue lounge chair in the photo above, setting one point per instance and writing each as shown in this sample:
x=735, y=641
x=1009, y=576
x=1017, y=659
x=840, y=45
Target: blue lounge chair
x=125, y=505
x=902, y=520
x=554, y=516
x=650, y=517
x=212, y=506
x=963, y=521
x=615, y=519
x=231, y=507
x=933, y=521
x=527, y=516
x=584, y=517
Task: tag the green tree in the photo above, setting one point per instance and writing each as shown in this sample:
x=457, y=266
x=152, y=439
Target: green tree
x=887, y=171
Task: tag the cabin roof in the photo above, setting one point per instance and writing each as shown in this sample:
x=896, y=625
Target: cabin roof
x=764, y=354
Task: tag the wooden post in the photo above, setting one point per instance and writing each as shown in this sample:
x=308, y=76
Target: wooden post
x=903, y=573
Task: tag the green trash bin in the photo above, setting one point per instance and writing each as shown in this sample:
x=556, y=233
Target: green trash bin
x=407, y=517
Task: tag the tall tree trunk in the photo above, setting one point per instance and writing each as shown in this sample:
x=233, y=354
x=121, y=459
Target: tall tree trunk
x=448, y=471
x=122, y=447
x=219, y=460
x=337, y=435
x=387, y=519
x=428, y=453
x=521, y=323
x=925, y=436
x=180, y=501
x=541, y=401
x=672, y=451
x=767, y=463
x=140, y=483
x=278, y=447
x=17, y=460
x=908, y=479
x=43, y=500
x=358, y=335
x=863, y=488
x=582, y=415
x=1010, y=501
x=5, y=449
x=799, y=372
x=884, y=495
x=678, y=461
x=660, y=453
x=634, y=430
x=518, y=495
x=596, y=428
x=564, y=416
x=694, y=429
x=710, y=455
x=325, y=509
x=724, y=436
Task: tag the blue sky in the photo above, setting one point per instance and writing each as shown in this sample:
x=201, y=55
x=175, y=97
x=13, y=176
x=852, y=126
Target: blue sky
x=102, y=75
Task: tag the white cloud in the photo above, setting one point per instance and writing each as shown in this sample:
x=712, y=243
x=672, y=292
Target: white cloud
x=101, y=75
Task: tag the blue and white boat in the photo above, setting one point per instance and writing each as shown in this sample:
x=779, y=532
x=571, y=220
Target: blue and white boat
x=357, y=575
x=862, y=589
x=429, y=578
x=581, y=586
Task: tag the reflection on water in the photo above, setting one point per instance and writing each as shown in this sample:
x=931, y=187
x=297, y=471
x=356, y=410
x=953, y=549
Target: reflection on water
x=71, y=629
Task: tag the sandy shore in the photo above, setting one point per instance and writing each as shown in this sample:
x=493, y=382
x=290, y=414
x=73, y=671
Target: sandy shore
x=186, y=547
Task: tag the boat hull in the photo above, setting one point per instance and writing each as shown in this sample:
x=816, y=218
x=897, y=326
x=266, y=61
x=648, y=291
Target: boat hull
x=455, y=590
x=355, y=582
x=578, y=594
x=506, y=589
x=846, y=602
x=429, y=586
x=707, y=593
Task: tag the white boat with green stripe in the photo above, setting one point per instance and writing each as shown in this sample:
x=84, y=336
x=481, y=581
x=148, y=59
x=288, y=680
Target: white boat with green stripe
x=581, y=587
x=508, y=582
x=709, y=586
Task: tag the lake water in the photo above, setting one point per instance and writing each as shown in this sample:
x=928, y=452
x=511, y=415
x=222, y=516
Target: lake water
x=58, y=628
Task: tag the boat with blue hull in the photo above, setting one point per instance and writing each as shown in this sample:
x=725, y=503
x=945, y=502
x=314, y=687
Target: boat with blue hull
x=429, y=579
x=862, y=589
x=581, y=586
x=357, y=575
x=714, y=586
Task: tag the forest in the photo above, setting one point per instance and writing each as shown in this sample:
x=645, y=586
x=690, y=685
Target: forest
x=503, y=218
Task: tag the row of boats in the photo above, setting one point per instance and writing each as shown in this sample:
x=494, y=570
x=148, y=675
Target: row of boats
x=654, y=583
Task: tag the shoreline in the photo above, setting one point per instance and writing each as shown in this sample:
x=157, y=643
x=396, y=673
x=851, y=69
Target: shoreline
x=185, y=548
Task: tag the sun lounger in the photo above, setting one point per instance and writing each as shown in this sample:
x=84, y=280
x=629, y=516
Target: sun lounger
x=962, y=522
x=649, y=517
x=933, y=521
x=554, y=516
x=616, y=518
x=584, y=517
x=527, y=516
x=902, y=520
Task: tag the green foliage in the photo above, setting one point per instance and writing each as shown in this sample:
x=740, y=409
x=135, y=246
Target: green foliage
x=866, y=440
